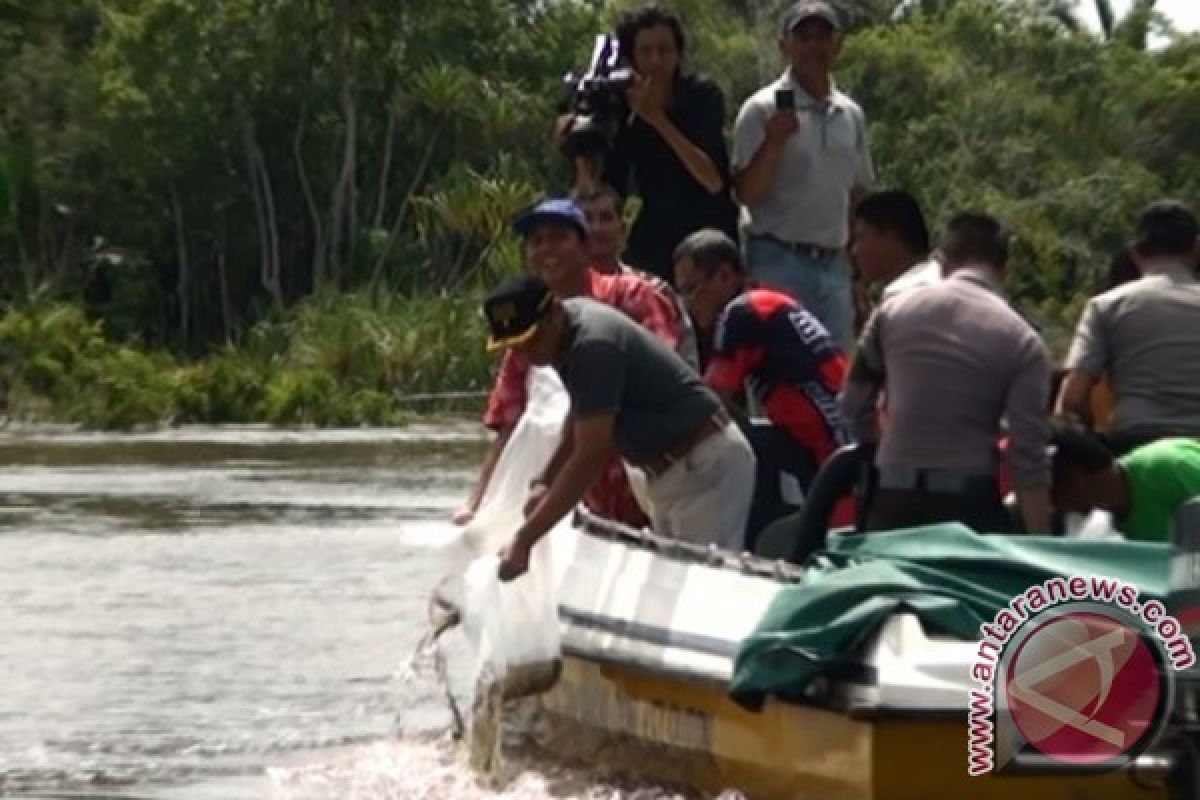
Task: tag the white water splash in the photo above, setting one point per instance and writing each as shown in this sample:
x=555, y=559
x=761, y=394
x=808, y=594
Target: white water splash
x=435, y=769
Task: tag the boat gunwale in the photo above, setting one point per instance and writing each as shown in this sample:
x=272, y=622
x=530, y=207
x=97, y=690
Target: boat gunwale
x=778, y=570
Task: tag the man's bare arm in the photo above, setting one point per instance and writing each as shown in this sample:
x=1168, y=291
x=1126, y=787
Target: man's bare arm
x=753, y=181
x=590, y=450
x=464, y=514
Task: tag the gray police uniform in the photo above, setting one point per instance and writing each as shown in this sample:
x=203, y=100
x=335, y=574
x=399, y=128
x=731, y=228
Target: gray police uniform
x=956, y=359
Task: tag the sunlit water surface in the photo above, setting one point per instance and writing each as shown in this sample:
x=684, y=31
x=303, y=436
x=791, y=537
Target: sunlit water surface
x=230, y=614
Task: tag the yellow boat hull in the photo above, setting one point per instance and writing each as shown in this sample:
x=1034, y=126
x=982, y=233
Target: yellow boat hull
x=693, y=734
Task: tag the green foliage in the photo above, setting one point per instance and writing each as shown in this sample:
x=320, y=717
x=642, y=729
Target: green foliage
x=1058, y=133
x=333, y=360
x=285, y=209
x=58, y=357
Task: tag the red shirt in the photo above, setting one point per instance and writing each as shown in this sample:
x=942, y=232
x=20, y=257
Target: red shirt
x=792, y=364
x=610, y=496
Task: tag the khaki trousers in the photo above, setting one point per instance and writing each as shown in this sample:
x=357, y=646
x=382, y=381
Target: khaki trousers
x=705, y=497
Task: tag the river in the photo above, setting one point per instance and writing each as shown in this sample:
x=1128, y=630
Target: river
x=229, y=614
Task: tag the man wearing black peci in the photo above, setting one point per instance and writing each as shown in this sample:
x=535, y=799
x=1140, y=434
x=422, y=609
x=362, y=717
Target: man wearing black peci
x=631, y=394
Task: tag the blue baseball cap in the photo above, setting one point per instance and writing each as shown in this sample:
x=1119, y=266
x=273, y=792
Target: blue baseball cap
x=554, y=209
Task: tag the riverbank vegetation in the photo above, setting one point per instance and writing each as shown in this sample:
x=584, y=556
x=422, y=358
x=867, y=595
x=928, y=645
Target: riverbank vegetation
x=285, y=210
x=332, y=360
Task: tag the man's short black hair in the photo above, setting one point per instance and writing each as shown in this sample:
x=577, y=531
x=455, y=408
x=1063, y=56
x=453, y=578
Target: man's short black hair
x=708, y=249
x=599, y=192
x=1166, y=228
x=973, y=237
x=895, y=212
x=1077, y=448
x=632, y=23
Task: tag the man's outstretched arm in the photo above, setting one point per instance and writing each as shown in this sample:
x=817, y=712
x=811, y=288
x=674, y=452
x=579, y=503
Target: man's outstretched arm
x=467, y=511
x=591, y=446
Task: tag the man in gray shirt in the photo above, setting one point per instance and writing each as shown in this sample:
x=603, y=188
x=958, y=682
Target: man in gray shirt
x=1145, y=337
x=956, y=359
x=800, y=159
x=630, y=393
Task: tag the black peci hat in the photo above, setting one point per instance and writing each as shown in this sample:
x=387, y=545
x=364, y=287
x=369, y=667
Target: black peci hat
x=514, y=309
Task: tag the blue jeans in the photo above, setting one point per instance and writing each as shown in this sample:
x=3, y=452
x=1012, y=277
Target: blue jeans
x=820, y=285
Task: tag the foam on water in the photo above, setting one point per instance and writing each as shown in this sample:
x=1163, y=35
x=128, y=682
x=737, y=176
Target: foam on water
x=436, y=768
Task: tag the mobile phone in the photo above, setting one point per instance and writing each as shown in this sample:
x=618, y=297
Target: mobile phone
x=785, y=100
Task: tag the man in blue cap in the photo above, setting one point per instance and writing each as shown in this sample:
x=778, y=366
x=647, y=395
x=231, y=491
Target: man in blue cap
x=629, y=393
x=555, y=235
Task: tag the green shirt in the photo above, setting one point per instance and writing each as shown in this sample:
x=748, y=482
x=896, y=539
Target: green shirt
x=1162, y=476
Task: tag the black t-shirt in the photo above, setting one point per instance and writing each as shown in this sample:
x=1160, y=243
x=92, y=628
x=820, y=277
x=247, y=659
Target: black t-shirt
x=673, y=203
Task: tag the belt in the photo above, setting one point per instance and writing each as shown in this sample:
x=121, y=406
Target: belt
x=815, y=252
x=656, y=466
x=940, y=481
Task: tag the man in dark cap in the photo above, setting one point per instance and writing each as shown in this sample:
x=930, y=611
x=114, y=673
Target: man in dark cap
x=800, y=161
x=1144, y=336
x=631, y=393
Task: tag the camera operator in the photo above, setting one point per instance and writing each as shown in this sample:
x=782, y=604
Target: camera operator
x=668, y=147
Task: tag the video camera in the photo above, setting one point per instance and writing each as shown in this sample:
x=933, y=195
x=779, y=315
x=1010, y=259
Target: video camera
x=596, y=101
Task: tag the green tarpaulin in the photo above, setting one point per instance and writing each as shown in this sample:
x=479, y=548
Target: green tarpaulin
x=952, y=578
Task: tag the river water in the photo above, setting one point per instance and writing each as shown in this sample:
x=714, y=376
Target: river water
x=230, y=614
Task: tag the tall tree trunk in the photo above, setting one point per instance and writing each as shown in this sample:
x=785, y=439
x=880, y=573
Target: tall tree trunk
x=456, y=268
x=275, y=285
x=10, y=177
x=65, y=254
x=310, y=203
x=413, y=185
x=264, y=214
x=343, y=211
x=1108, y=20
x=385, y=171
x=184, y=275
x=43, y=260
x=223, y=285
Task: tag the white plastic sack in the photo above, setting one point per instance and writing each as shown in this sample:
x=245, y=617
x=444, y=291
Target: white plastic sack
x=1096, y=525
x=514, y=629
x=514, y=625
x=533, y=441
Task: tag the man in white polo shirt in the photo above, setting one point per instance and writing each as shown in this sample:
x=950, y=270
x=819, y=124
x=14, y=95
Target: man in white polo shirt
x=800, y=160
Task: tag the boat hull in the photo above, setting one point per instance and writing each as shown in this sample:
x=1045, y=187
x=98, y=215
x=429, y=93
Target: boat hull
x=690, y=732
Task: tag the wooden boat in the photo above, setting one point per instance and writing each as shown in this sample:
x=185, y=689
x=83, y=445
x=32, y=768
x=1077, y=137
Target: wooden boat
x=650, y=628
